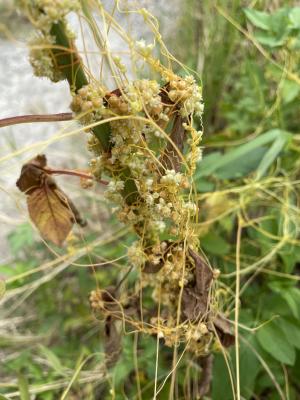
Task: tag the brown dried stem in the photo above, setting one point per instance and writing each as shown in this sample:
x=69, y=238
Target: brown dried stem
x=73, y=172
x=25, y=119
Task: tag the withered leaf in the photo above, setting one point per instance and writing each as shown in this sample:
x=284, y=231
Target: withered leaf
x=195, y=299
x=224, y=330
x=170, y=158
x=30, y=178
x=51, y=216
x=50, y=209
x=112, y=342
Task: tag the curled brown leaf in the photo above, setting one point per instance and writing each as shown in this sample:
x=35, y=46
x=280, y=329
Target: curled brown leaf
x=49, y=214
x=50, y=209
x=195, y=299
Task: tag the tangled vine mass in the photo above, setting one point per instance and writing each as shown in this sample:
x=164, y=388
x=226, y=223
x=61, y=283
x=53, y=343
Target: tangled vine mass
x=144, y=141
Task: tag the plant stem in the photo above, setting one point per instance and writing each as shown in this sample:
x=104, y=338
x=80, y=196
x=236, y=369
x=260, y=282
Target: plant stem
x=25, y=119
x=73, y=172
x=70, y=63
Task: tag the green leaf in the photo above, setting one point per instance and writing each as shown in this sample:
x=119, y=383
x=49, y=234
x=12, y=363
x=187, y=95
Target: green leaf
x=291, y=328
x=290, y=296
x=267, y=40
x=213, y=163
x=289, y=91
x=249, y=369
x=243, y=165
x=215, y=244
x=204, y=186
x=272, y=153
x=273, y=340
x=294, y=17
x=3, y=397
x=290, y=255
x=221, y=387
x=280, y=22
x=20, y=238
x=260, y=19
x=289, y=293
x=208, y=163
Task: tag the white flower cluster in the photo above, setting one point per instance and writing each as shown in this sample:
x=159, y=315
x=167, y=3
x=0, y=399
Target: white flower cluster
x=136, y=255
x=96, y=164
x=88, y=103
x=46, y=12
x=165, y=206
x=41, y=58
x=144, y=95
x=115, y=186
x=186, y=92
x=136, y=97
x=113, y=191
x=171, y=276
x=118, y=105
x=172, y=177
x=162, y=206
x=198, y=338
x=151, y=132
x=57, y=9
x=127, y=142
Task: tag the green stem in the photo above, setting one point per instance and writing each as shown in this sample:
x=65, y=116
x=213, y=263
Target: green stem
x=70, y=63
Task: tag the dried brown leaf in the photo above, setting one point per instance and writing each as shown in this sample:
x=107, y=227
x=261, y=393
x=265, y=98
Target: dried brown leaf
x=32, y=174
x=50, y=209
x=224, y=330
x=195, y=299
x=50, y=214
x=170, y=158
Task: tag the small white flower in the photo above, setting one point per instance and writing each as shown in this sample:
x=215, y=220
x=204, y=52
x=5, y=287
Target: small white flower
x=191, y=207
x=149, y=199
x=143, y=48
x=160, y=225
x=149, y=182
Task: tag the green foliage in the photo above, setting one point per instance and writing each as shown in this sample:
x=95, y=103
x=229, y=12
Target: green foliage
x=277, y=29
x=253, y=143
x=21, y=238
x=252, y=156
x=274, y=341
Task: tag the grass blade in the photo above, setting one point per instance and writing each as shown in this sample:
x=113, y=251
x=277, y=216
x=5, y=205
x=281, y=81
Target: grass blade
x=272, y=154
x=215, y=163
